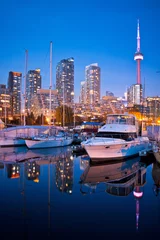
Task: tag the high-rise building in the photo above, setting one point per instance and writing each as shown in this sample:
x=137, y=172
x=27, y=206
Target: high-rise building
x=134, y=95
x=43, y=97
x=108, y=93
x=92, y=78
x=14, y=87
x=153, y=104
x=5, y=102
x=33, y=83
x=65, y=80
x=83, y=92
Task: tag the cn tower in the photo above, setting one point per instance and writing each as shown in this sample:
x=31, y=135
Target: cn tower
x=138, y=56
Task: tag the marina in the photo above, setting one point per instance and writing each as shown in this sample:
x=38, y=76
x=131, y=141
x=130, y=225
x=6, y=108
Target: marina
x=79, y=123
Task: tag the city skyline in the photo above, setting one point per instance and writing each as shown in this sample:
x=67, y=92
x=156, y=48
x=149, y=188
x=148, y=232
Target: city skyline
x=106, y=36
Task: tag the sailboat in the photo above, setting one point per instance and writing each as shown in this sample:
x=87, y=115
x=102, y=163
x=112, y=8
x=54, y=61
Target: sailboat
x=60, y=138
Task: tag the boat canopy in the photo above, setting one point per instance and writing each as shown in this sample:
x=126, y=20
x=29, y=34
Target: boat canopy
x=121, y=119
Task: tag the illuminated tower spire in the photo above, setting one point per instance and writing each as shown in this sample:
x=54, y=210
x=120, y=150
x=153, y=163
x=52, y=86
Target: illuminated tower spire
x=138, y=56
x=137, y=194
x=138, y=37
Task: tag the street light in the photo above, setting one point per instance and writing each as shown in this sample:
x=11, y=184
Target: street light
x=72, y=93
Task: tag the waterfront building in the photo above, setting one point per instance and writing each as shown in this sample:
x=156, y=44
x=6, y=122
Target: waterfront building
x=33, y=83
x=5, y=102
x=65, y=80
x=15, y=87
x=43, y=96
x=153, y=104
x=92, y=79
x=112, y=105
x=135, y=95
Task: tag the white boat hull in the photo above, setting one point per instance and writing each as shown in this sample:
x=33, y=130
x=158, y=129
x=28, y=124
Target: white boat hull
x=48, y=143
x=11, y=142
x=116, y=150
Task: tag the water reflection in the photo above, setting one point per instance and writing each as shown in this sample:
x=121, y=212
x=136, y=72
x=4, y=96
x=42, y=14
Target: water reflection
x=156, y=178
x=32, y=171
x=119, y=178
x=49, y=184
x=13, y=170
x=64, y=173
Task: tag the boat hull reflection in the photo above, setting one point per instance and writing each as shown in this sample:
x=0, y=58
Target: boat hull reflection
x=23, y=154
x=119, y=178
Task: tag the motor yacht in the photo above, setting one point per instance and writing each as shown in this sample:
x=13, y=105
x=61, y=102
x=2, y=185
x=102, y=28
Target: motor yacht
x=117, y=139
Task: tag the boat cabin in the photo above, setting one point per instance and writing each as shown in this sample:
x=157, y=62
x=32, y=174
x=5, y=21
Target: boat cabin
x=121, y=119
x=120, y=126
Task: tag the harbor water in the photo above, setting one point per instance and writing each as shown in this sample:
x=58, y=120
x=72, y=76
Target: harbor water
x=53, y=194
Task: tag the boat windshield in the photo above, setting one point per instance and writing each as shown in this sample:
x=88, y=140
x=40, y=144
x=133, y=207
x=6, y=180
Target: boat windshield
x=121, y=119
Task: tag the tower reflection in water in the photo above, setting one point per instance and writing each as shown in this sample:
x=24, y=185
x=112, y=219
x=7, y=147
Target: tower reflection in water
x=118, y=179
x=64, y=173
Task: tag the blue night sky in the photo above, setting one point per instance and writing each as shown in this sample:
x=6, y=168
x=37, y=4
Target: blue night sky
x=90, y=31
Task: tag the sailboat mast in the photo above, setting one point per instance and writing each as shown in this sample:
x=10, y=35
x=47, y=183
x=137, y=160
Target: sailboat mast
x=63, y=107
x=5, y=110
x=50, y=87
x=25, y=77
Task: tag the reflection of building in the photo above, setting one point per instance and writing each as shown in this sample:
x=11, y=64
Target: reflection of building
x=156, y=177
x=32, y=171
x=64, y=174
x=92, y=78
x=13, y=170
x=33, y=83
x=14, y=87
x=65, y=80
x=83, y=164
